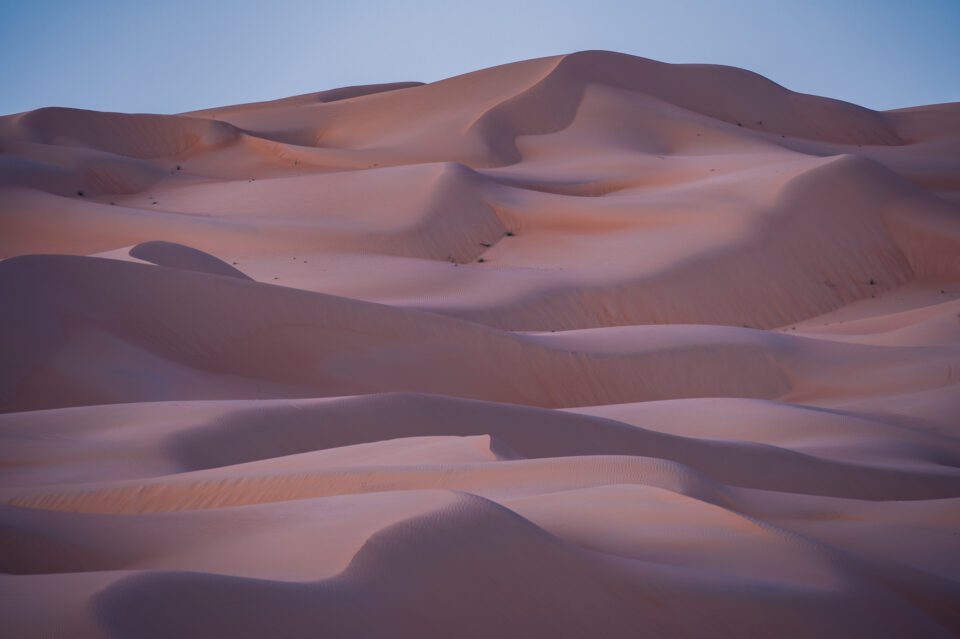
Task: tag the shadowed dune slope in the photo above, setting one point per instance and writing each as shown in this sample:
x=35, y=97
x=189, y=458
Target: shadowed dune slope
x=183, y=257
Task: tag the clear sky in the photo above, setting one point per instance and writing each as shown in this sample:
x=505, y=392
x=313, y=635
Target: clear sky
x=169, y=56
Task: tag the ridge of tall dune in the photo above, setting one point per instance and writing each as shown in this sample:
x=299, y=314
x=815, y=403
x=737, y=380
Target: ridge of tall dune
x=586, y=345
x=518, y=96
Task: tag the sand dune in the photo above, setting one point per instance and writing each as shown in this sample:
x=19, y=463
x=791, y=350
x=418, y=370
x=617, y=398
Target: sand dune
x=588, y=345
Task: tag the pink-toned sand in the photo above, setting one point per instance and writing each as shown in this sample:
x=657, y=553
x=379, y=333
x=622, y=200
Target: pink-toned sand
x=583, y=346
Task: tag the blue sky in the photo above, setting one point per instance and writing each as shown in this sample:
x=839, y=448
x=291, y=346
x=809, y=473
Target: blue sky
x=175, y=55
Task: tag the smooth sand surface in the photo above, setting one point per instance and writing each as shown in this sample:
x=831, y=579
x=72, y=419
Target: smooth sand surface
x=583, y=346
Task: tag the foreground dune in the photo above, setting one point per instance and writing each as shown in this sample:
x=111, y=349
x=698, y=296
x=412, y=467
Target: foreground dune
x=578, y=346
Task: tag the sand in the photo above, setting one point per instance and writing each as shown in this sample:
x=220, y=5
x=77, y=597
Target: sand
x=588, y=345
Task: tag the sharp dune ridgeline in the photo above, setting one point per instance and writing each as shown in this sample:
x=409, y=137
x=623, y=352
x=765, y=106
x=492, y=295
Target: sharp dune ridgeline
x=589, y=345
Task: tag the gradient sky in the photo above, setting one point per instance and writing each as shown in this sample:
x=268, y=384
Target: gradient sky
x=176, y=55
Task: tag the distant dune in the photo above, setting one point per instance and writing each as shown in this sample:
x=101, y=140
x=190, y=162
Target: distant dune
x=589, y=345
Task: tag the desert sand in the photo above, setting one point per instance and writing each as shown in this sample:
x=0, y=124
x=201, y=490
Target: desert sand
x=581, y=346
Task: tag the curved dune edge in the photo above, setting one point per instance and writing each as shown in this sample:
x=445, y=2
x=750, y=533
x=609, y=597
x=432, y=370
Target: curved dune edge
x=588, y=345
x=180, y=256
